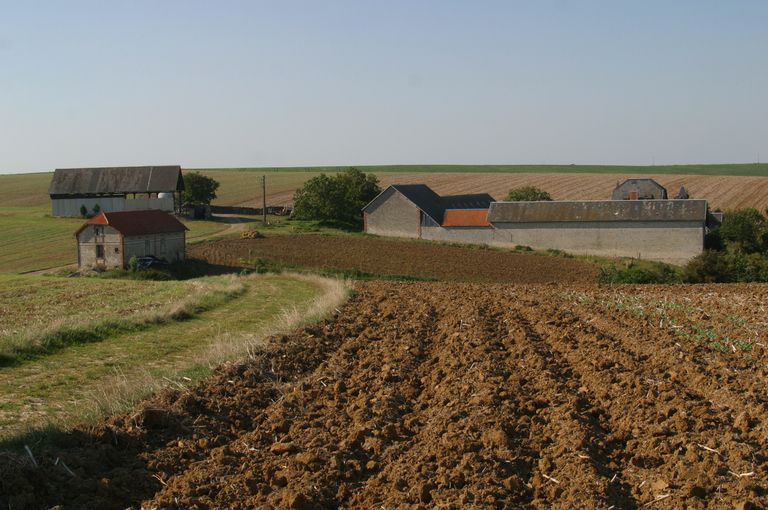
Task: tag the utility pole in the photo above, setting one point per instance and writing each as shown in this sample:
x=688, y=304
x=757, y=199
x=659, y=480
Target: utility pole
x=264, y=199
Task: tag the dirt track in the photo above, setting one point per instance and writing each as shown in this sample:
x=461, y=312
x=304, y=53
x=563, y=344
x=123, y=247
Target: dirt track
x=455, y=395
x=398, y=257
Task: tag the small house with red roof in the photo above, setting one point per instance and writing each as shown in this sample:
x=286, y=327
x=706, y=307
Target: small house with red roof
x=111, y=239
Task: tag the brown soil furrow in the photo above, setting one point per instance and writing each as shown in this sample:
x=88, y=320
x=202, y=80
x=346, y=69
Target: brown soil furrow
x=432, y=395
x=676, y=416
x=363, y=425
x=397, y=257
x=588, y=444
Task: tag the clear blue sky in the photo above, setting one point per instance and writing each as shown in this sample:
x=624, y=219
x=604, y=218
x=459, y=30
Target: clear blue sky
x=227, y=83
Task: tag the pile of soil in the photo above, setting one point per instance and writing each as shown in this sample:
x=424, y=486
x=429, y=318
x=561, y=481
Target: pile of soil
x=397, y=257
x=448, y=395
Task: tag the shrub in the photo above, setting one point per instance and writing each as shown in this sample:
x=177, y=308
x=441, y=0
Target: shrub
x=83, y=211
x=96, y=209
x=133, y=264
x=528, y=194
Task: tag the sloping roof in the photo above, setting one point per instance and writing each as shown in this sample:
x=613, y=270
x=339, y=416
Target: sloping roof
x=598, y=210
x=646, y=188
x=136, y=223
x=466, y=218
x=476, y=201
x=432, y=204
x=424, y=198
x=136, y=179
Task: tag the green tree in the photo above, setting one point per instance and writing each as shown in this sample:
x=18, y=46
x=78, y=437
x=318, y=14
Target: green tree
x=199, y=188
x=336, y=199
x=744, y=230
x=528, y=194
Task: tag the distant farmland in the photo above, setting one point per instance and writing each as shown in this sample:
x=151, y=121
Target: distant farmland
x=732, y=188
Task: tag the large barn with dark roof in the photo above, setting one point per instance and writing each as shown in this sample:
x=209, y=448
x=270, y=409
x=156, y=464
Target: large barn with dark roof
x=115, y=189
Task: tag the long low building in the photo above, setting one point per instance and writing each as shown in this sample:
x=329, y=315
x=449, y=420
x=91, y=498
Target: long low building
x=664, y=230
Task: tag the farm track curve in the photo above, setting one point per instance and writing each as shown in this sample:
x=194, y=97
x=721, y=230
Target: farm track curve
x=448, y=395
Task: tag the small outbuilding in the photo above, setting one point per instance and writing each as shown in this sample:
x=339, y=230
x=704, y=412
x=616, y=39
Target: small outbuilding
x=110, y=239
x=639, y=189
x=135, y=188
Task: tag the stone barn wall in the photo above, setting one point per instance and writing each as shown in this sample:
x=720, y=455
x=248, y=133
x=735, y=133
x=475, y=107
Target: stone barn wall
x=393, y=215
x=110, y=241
x=672, y=242
x=163, y=246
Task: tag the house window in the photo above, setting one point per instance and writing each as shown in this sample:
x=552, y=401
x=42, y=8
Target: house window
x=99, y=251
x=98, y=230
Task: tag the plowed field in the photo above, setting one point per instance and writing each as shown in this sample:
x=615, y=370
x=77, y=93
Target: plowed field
x=395, y=257
x=725, y=192
x=453, y=396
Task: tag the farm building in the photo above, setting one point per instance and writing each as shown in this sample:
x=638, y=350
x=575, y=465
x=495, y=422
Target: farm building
x=639, y=189
x=110, y=239
x=655, y=229
x=665, y=230
x=410, y=210
x=115, y=189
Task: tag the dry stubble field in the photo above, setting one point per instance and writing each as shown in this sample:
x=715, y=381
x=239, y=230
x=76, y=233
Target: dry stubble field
x=723, y=192
x=451, y=395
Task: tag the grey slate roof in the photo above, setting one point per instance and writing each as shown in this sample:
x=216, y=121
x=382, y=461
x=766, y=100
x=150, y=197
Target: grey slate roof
x=137, y=179
x=598, y=210
x=433, y=205
x=476, y=201
x=647, y=189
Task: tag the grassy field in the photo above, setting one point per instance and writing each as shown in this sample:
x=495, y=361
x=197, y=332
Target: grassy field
x=37, y=302
x=84, y=381
x=32, y=240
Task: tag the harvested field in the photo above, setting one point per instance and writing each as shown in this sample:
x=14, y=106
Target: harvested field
x=395, y=257
x=452, y=396
x=722, y=191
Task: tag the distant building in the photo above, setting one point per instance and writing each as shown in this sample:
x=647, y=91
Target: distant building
x=115, y=189
x=649, y=228
x=110, y=239
x=639, y=189
x=682, y=194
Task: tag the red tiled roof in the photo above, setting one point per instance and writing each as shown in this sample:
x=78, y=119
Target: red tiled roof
x=466, y=218
x=136, y=223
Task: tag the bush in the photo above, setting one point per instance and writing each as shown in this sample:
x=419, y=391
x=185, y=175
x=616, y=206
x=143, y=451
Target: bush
x=528, y=194
x=133, y=264
x=744, y=230
x=83, y=211
x=724, y=267
x=336, y=200
x=96, y=209
x=647, y=272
